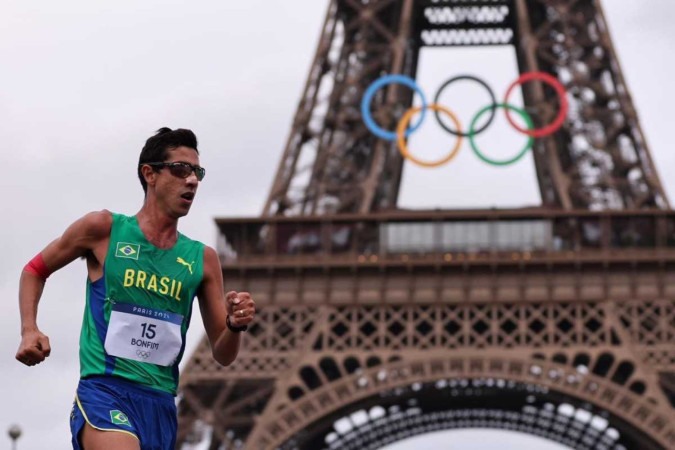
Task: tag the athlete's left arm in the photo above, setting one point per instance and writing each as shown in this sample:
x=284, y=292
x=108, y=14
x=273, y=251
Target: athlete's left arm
x=215, y=308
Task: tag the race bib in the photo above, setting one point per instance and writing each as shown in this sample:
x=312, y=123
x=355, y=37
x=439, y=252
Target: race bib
x=144, y=334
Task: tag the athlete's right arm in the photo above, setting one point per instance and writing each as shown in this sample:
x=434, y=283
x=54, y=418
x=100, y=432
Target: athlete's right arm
x=83, y=238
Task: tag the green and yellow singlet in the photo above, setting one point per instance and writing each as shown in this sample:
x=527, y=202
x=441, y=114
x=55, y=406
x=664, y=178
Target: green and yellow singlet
x=137, y=314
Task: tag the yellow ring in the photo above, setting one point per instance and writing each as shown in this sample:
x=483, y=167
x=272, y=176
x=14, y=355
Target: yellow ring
x=403, y=125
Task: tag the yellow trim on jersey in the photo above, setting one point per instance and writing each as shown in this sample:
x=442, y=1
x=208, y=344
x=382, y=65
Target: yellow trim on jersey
x=79, y=405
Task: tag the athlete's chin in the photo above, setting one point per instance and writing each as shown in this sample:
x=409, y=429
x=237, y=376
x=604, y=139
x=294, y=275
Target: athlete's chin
x=180, y=212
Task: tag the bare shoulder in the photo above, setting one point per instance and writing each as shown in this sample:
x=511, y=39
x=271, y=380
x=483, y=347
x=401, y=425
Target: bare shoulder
x=212, y=271
x=210, y=251
x=211, y=257
x=96, y=224
x=89, y=229
x=88, y=233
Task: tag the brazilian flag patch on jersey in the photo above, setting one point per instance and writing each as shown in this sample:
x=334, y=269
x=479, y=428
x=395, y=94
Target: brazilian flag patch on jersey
x=117, y=417
x=127, y=250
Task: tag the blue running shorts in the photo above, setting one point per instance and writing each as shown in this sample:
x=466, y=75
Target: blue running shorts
x=119, y=406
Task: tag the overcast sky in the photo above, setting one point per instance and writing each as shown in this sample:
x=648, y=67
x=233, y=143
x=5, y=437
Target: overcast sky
x=84, y=83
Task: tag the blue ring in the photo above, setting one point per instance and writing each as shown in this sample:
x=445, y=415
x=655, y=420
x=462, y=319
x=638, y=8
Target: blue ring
x=368, y=98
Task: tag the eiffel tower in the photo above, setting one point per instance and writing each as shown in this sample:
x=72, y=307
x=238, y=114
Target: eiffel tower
x=377, y=324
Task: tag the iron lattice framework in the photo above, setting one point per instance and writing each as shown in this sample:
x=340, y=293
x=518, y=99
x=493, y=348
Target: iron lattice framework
x=567, y=318
x=375, y=325
x=332, y=163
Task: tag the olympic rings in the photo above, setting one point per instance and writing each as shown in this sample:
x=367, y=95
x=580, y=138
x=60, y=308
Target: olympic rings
x=368, y=98
x=472, y=135
x=458, y=78
x=559, y=89
x=142, y=354
x=401, y=138
x=401, y=132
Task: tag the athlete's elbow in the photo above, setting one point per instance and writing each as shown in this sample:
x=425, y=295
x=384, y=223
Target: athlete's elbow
x=224, y=359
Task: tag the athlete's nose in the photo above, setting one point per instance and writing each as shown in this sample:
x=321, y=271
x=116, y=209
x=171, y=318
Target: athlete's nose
x=192, y=179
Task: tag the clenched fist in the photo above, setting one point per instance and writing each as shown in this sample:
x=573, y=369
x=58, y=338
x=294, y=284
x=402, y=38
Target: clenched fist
x=240, y=308
x=34, y=348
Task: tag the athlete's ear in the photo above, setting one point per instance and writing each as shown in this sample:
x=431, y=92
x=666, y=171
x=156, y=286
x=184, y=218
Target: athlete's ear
x=149, y=174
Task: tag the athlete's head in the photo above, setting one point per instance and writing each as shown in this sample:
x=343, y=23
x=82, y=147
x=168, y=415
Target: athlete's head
x=169, y=165
x=157, y=148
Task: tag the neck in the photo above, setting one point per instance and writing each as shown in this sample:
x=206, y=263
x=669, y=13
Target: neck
x=159, y=229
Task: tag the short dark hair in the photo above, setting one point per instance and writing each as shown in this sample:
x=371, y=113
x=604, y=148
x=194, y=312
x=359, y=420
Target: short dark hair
x=157, y=147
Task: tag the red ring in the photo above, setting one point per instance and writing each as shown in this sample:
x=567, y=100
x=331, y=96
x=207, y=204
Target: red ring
x=559, y=89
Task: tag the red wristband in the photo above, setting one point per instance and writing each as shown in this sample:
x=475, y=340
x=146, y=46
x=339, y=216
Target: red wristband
x=37, y=267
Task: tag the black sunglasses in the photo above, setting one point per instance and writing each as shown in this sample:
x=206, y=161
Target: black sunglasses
x=180, y=169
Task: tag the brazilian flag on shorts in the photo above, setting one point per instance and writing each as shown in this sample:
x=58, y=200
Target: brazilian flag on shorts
x=117, y=417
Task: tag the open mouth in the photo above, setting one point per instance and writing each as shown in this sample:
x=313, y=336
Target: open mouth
x=189, y=196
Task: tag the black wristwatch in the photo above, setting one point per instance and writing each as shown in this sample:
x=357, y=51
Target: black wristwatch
x=233, y=328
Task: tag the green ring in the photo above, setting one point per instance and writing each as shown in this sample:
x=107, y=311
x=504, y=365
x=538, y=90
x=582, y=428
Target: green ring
x=472, y=133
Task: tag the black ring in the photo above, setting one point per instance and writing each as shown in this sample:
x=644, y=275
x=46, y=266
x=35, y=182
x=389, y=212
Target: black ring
x=477, y=80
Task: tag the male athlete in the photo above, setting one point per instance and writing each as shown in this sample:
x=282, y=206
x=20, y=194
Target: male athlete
x=143, y=276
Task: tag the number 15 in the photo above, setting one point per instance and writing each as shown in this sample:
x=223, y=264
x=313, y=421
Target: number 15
x=148, y=330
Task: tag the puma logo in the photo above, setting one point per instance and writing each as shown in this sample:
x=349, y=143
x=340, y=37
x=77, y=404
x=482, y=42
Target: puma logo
x=180, y=260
